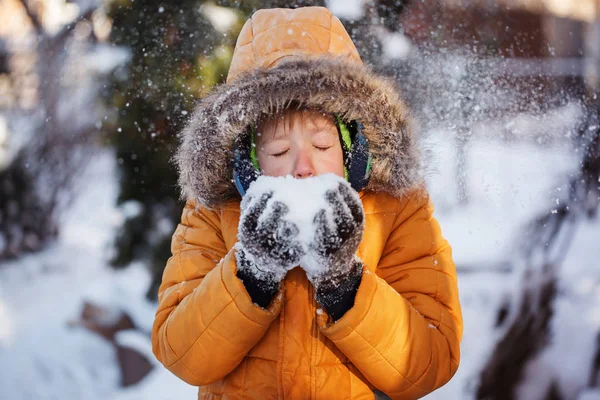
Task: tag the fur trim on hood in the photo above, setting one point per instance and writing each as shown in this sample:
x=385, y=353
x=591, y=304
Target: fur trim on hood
x=331, y=85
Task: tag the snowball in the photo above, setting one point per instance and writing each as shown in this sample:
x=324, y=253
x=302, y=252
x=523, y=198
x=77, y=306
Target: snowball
x=304, y=199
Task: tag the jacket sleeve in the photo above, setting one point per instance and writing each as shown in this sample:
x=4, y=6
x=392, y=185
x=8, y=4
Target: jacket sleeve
x=403, y=332
x=206, y=322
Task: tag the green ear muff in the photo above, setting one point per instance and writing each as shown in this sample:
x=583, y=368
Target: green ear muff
x=346, y=140
x=344, y=132
x=253, y=156
x=357, y=158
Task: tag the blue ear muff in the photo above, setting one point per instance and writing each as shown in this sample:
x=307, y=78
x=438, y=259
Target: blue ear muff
x=244, y=171
x=357, y=158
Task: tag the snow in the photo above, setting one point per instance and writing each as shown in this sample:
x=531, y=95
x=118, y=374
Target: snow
x=222, y=18
x=304, y=199
x=590, y=394
x=43, y=355
x=569, y=361
x=104, y=58
x=507, y=183
x=346, y=9
x=396, y=45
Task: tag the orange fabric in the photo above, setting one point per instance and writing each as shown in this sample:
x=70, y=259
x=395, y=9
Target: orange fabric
x=401, y=336
x=273, y=35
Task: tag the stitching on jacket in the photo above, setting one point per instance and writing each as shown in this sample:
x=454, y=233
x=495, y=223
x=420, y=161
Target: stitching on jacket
x=449, y=354
x=423, y=268
x=316, y=41
x=449, y=327
x=333, y=364
x=166, y=328
x=179, y=253
x=370, y=303
x=278, y=58
x=260, y=358
x=187, y=368
x=424, y=372
x=400, y=208
x=350, y=375
x=206, y=253
x=330, y=28
x=432, y=253
x=291, y=23
x=281, y=348
x=180, y=270
x=233, y=298
x=202, y=333
x=386, y=360
x=252, y=40
x=245, y=361
x=222, y=388
x=177, y=358
x=449, y=345
x=203, y=214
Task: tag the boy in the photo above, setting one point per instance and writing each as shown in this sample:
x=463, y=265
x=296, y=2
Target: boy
x=384, y=316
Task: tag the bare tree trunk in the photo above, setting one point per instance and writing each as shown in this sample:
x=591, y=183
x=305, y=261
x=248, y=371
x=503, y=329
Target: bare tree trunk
x=35, y=185
x=548, y=238
x=461, y=165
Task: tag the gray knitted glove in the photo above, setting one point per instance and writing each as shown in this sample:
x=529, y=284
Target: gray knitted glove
x=268, y=246
x=337, y=272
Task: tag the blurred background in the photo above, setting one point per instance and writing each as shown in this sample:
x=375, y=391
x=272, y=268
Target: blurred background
x=94, y=93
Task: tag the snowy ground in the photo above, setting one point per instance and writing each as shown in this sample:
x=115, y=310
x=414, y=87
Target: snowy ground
x=41, y=357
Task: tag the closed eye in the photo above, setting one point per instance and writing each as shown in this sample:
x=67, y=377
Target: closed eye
x=323, y=148
x=280, y=154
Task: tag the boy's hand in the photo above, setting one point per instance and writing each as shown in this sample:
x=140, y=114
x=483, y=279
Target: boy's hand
x=336, y=272
x=334, y=246
x=268, y=245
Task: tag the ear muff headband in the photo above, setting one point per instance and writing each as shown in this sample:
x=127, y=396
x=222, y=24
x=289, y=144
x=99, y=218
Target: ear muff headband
x=344, y=133
x=357, y=158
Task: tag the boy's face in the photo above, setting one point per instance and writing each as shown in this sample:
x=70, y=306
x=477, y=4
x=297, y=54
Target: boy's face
x=301, y=143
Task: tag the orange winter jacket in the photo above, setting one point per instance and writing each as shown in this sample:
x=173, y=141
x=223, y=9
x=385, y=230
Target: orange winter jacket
x=402, y=336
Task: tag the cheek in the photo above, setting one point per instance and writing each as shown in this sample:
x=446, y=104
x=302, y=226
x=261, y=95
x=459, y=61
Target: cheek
x=332, y=161
x=272, y=166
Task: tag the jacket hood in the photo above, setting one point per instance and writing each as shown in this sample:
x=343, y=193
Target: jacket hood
x=328, y=84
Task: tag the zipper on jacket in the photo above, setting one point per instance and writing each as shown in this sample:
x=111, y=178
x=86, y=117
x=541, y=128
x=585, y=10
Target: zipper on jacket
x=314, y=343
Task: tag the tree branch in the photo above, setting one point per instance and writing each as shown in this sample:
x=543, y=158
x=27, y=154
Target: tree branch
x=64, y=33
x=35, y=21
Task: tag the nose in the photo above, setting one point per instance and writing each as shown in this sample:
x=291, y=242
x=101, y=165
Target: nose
x=303, y=167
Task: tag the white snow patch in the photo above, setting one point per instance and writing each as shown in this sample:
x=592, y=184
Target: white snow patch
x=348, y=9
x=222, y=18
x=396, y=46
x=590, y=394
x=42, y=354
x=304, y=198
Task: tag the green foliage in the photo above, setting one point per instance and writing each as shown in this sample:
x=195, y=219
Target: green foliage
x=177, y=56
